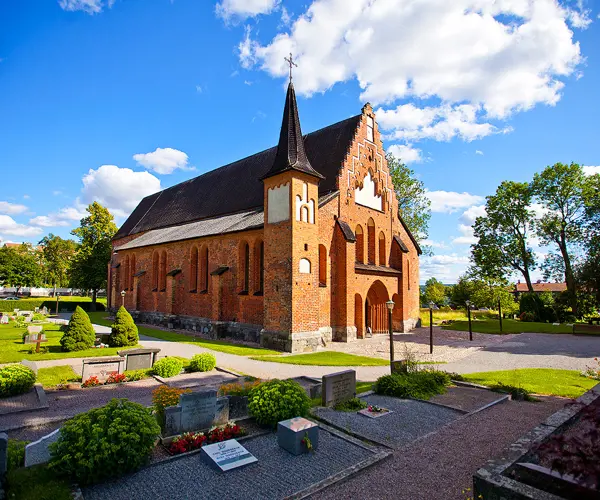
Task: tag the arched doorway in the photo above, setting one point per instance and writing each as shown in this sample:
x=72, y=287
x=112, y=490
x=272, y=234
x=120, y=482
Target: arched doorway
x=376, y=315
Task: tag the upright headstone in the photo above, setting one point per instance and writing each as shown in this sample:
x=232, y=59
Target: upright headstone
x=3, y=455
x=196, y=411
x=298, y=435
x=338, y=387
x=4, y=319
x=138, y=359
x=38, y=452
x=102, y=367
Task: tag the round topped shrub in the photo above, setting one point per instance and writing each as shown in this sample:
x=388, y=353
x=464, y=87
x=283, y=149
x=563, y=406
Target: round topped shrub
x=204, y=362
x=167, y=367
x=124, y=332
x=15, y=379
x=105, y=442
x=80, y=333
x=277, y=400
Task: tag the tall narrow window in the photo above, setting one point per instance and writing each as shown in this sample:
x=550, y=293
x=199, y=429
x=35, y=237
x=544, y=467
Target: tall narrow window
x=245, y=266
x=382, y=249
x=370, y=126
x=126, y=274
x=193, y=269
x=408, y=273
x=204, y=269
x=259, y=267
x=261, y=273
x=155, y=271
x=360, y=245
x=322, y=265
x=132, y=272
x=371, y=241
x=163, y=272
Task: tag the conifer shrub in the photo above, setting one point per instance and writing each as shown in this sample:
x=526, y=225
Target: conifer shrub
x=168, y=367
x=277, y=400
x=203, y=362
x=79, y=334
x=124, y=332
x=105, y=442
x=15, y=379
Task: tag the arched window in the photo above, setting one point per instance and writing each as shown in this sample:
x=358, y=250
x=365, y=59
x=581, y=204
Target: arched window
x=163, y=272
x=371, y=241
x=126, y=274
x=155, y=271
x=304, y=266
x=259, y=267
x=204, y=269
x=360, y=244
x=381, y=249
x=194, y=269
x=132, y=272
x=322, y=265
x=408, y=273
x=245, y=266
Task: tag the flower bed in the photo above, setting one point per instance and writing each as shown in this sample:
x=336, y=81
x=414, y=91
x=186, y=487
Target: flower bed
x=191, y=441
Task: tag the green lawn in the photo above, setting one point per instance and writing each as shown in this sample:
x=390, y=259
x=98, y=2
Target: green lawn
x=364, y=387
x=566, y=383
x=36, y=483
x=455, y=315
x=216, y=345
x=12, y=349
x=51, y=377
x=508, y=326
x=329, y=358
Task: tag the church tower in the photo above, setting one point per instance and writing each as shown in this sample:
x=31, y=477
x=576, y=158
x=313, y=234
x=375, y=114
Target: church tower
x=291, y=237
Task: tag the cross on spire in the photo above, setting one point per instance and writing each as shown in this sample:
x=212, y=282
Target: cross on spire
x=291, y=63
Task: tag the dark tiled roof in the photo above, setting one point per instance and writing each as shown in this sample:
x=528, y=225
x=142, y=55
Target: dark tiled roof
x=410, y=235
x=346, y=231
x=290, y=149
x=401, y=244
x=541, y=287
x=371, y=268
x=237, y=187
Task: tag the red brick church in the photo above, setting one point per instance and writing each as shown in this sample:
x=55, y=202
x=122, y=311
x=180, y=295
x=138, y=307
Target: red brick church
x=293, y=247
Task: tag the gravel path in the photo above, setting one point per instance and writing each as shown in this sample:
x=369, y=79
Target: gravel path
x=440, y=465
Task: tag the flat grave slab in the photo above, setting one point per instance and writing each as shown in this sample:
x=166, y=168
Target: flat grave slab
x=227, y=455
x=408, y=420
x=467, y=399
x=276, y=475
x=35, y=399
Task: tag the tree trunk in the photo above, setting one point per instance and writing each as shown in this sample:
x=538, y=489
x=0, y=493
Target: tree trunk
x=93, y=306
x=525, y=269
x=569, y=277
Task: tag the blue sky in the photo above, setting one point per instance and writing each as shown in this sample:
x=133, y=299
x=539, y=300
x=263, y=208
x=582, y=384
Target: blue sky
x=111, y=100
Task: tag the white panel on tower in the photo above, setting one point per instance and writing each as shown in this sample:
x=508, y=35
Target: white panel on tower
x=278, y=199
x=366, y=196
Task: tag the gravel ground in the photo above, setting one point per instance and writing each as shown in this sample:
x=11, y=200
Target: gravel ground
x=439, y=466
x=277, y=473
x=467, y=399
x=410, y=419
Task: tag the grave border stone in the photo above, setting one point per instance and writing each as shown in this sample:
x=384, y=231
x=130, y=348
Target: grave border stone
x=39, y=452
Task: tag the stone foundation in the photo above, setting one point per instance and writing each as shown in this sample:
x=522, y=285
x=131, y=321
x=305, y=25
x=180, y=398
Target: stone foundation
x=344, y=333
x=410, y=324
x=291, y=342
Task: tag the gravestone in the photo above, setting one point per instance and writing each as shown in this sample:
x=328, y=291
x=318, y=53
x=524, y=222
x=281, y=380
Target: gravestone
x=291, y=434
x=102, y=367
x=34, y=329
x=31, y=365
x=34, y=336
x=38, y=452
x=139, y=359
x=196, y=411
x=3, y=456
x=338, y=387
x=4, y=319
x=227, y=455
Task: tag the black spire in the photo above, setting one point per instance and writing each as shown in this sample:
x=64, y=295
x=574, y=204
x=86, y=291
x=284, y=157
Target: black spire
x=290, y=150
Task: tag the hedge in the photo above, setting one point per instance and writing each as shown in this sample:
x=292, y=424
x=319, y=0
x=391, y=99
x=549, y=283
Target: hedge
x=31, y=304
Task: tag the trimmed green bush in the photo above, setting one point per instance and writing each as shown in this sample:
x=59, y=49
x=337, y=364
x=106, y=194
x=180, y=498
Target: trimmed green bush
x=15, y=379
x=105, y=442
x=277, y=400
x=135, y=375
x=204, y=362
x=167, y=367
x=80, y=333
x=16, y=454
x=124, y=332
x=416, y=385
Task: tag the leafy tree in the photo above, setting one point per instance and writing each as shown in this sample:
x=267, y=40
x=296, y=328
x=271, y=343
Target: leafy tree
x=482, y=292
x=20, y=266
x=124, y=332
x=413, y=203
x=58, y=254
x=562, y=190
x=435, y=291
x=80, y=333
x=503, y=233
x=95, y=232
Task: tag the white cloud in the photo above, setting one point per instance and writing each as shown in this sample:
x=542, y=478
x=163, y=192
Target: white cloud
x=64, y=217
x=163, y=160
x=243, y=9
x=478, y=152
x=118, y=189
x=468, y=217
x=286, y=18
x=434, y=244
x=9, y=226
x=406, y=153
x=467, y=237
x=11, y=208
x=26, y=196
x=57, y=192
x=199, y=89
x=588, y=170
x=450, y=201
x=446, y=268
x=481, y=60
x=89, y=6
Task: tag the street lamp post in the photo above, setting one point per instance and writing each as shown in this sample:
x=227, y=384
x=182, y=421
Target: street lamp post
x=431, y=328
x=57, y=296
x=123, y=292
x=500, y=314
x=469, y=316
x=390, y=305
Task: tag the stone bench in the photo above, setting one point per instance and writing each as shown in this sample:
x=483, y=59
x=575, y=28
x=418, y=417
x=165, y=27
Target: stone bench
x=585, y=328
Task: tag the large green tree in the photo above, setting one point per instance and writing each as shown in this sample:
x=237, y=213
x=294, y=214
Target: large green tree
x=95, y=232
x=562, y=191
x=482, y=291
x=503, y=234
x=413, y=203
x=58, y=254
x=435, y=291
x=20, y=266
